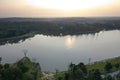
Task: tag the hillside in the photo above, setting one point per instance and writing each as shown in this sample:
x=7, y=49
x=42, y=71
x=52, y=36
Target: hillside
x=108, y=69
x=24, y=69
x=100, y=64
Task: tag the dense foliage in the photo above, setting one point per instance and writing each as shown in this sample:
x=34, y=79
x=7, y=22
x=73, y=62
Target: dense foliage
x=80, y=72
x=11, y=27
x=22, y=70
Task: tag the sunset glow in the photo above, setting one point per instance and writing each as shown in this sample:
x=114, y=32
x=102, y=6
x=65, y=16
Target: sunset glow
x=70, y=41
x=59, y=8
x=69, y=4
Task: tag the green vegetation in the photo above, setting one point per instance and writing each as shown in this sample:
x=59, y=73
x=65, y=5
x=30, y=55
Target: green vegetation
x=79, y=72
x=115, y=62
x=92, y=71
x=13, y=30
x=21, y=70
x=16, y=39
x=24, y=69
x=12, y=27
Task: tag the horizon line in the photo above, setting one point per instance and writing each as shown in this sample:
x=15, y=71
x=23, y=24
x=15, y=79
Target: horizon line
x=68, y=17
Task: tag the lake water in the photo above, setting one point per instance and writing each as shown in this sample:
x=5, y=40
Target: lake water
x=58, y=52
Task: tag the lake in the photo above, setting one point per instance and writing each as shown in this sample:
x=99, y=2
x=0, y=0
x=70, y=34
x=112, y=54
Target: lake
x=57, y=52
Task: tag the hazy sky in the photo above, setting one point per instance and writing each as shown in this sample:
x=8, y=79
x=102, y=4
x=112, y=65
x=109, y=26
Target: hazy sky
x=59, y=8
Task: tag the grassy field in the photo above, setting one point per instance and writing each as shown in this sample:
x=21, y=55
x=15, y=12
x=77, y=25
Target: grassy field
x=101, y=64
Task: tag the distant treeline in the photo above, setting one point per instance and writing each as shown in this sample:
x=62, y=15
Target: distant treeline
x=18, y=27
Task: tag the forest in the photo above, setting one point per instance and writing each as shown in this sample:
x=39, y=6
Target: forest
x=12, y=27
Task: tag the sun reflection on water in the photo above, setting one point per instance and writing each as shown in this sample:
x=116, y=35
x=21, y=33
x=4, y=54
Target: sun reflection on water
x=70, y=41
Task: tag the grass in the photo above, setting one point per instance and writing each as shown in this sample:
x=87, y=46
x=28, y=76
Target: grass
x=101, y=64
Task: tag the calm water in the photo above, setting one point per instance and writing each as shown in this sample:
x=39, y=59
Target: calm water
x=57, y=52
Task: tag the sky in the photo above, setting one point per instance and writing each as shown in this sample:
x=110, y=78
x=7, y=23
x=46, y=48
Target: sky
x=59, y=8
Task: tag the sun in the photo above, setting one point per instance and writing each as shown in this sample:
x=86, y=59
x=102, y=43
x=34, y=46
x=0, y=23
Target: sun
x=69, y=4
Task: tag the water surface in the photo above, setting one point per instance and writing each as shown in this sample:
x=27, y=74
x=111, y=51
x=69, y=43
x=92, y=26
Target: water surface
x=57, y=52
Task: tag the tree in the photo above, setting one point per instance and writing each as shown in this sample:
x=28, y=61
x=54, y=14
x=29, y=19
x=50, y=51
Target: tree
x=66, y=76
x=118, y=76
x=1, y=70
x=22, y=66
x=0, y=59
x=79, y=75
x=108, y=67
x=72, y=70
x=94, y=75
x=12, y=73
x=6, y=66
x=82, y=67
x=117, y=65
x=60, y=78
x=71, y=66
x=1, y=67
x=109, y=77
x=90, y=75
x=38, y=67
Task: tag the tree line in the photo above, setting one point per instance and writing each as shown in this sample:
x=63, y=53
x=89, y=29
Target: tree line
x=64, y=27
